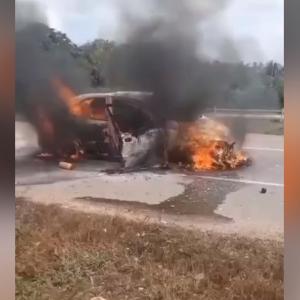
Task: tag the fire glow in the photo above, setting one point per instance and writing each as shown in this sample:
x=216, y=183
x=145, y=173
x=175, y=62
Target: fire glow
x=207, y=145
x=67, y=95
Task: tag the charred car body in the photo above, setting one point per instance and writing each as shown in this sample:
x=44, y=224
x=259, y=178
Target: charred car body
x=118, y=126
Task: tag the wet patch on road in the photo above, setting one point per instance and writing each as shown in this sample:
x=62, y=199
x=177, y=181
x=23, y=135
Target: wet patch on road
x=200, y=198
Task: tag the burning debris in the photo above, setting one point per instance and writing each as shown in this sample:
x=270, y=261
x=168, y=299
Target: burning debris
x=218, y=155
x=207, y=145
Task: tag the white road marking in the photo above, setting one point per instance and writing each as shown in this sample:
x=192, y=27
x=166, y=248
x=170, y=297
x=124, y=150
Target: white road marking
x=264, y=149
x=240, y=180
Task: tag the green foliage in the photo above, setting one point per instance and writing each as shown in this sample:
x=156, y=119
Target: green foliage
x=275, y=72
x=279, y=85
x=105, y=64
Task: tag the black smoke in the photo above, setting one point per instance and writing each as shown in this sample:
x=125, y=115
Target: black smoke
x=163, y=53
x=40, y=59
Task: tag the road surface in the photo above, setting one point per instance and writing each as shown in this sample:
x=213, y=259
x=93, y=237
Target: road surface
x=229, y=201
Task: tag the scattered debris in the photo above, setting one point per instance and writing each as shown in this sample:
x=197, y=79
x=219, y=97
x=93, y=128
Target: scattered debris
x=263, y=191
x=66, y=165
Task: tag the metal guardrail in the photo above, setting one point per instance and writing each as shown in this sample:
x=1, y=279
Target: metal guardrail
x=241, y=110
x=248, y=113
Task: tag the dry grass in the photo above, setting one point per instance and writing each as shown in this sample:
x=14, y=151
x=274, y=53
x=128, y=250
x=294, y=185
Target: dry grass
x=69, y=255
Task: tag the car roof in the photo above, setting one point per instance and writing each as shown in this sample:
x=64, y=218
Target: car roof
x=137, y=99
x=136, y=95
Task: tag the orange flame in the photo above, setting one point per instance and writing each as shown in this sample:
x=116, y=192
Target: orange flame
x=210, y=146
x=79, y=109
x=67, y=95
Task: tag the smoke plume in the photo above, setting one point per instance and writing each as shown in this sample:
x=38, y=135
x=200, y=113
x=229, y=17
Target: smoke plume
x=40, y=59
x=163, y=53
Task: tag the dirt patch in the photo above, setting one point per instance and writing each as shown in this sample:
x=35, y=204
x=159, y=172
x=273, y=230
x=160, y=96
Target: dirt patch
x=61, y=254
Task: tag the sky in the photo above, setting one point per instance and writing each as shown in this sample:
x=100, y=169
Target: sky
x=256, y=26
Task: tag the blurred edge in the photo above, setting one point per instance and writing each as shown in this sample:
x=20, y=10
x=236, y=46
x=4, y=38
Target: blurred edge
x=7, y=195
x=292, y=147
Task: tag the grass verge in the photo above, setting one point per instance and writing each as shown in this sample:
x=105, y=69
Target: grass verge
x=61, y=254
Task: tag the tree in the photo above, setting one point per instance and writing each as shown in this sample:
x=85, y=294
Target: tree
x=279, y=85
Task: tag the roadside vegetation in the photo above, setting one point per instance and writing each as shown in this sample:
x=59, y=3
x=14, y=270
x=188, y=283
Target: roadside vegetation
x=62, y=254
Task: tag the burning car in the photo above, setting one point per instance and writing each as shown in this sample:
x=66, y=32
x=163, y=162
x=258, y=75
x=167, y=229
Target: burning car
x=123, y=126
x=109, y=125
x=118, y=123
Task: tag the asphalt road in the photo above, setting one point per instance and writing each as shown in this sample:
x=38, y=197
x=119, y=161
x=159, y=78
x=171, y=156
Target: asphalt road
x=230, y=199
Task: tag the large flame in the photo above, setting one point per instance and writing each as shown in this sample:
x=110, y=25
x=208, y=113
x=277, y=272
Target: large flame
x=209, y=146
x=67, y=95
x=82, y=109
